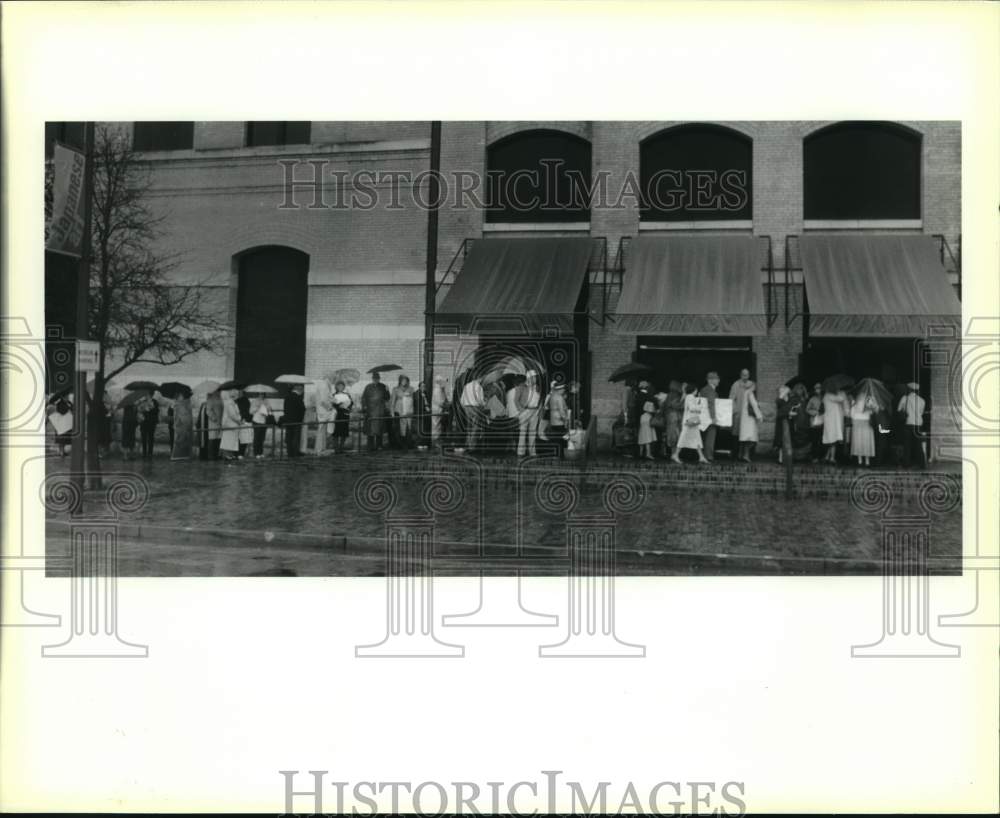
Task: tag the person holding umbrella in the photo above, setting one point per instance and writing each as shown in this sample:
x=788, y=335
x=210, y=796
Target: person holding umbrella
x=149, y=418
x=232, y=426
x=911, y=408
x=374, y=401
x=834, y=406
x=342, y=403
x=61, y=420
x=180, y=419
x=291, y=419
x=260, y=417
x=402, y=411
x=528, y=400
x=209, y=423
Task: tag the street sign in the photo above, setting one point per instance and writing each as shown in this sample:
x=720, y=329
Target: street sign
x=88, y=354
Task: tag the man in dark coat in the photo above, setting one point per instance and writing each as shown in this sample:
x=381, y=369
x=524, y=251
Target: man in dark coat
x=708, y=391
x=374, y=404
x=292, y=417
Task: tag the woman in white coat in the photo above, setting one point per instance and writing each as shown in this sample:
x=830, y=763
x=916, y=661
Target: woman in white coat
x=232, y=426
x=834, y=406
x=750, y=416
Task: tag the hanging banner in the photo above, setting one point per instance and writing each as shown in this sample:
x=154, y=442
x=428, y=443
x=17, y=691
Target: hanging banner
x=66, y=227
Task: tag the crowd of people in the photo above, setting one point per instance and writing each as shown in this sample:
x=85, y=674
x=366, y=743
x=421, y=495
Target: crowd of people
x=857, y=423
x=515, y=414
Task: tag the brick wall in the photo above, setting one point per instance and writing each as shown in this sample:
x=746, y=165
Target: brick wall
x=367, y=267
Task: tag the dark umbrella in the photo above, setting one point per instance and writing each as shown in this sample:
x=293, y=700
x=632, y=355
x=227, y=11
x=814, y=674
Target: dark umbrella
x=133, y=397
x=384, y=368
x=59, y=394
x=234, y=384
x=175, y=389
x=797, y=379
x=629, y=371
x=837, y=382
x=509, y=381
x=146, y=386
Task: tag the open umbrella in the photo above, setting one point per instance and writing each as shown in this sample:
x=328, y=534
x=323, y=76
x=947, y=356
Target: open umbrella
x=233, y=384
x=875, y=389
x=629, y=371
x=347, y=375
x=384, y=368
x=147, y=386
x=837, y=382
x=797, y=379
x=132, y=397
x=260, y=389
x=175, y=389
x=302, y=379
x=206, y=387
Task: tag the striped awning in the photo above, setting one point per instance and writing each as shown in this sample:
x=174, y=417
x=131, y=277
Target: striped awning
x=692, y=285
x=876, y=286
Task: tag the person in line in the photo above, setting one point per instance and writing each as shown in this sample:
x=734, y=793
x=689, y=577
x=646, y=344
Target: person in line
x=401, y=404
x=180, y=448
x=149, y=418
x=800, y=423
x=260, y=417
x=130, y=425
x=642, y=395
x=814, y=411
x=690, y=436
x=746, y=415
x=788, y=406
x=513, y=412
x=232, y=426
x=833, y=422
x=246, y=421
x=170, y=427
x=422, y=416
x=911, y=409
x=291, y=420
x=374, y=401
x=439, y=408
x=559, y=417
x=324, y=415
x=61, y=420
x=473, y=403
x=862, y=434
x=647, y=435
x=528, y=400
x=209, y=423
x=710, y=393
x=342, y=403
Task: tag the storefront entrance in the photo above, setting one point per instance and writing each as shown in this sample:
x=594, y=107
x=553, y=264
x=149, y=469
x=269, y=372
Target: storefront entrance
x=689, y=358
x=894, y=361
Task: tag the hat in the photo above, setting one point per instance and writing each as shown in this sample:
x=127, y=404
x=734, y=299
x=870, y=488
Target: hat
x=558, y=385
x=913, y=385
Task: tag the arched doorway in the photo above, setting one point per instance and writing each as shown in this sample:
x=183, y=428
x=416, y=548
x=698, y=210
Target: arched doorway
x=271, y=302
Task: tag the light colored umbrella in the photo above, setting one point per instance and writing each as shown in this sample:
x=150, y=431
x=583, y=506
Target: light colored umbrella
x=348, y=376
x=260, y=389
x=206, y=387
x=301, y=379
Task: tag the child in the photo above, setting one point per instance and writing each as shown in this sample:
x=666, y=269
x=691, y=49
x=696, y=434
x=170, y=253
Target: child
x=647, y=437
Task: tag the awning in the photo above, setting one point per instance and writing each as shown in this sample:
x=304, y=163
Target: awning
x=518, y=285
x=876, y=285
x=692, y=285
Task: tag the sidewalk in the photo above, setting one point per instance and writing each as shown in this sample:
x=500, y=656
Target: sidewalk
x=300, y=517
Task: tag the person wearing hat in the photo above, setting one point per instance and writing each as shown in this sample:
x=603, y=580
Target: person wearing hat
x=293, y=413
x=559, y=416
x=527, y=398
x=911, y=407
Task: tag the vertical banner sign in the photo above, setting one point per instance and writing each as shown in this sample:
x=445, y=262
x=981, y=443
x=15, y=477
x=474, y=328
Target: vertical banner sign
x=66, y=227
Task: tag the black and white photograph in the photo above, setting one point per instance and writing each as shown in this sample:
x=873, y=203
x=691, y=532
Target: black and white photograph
x=744, y=323
x=492, y=408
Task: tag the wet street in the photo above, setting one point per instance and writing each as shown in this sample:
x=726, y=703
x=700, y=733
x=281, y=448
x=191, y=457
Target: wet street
x=328, y=516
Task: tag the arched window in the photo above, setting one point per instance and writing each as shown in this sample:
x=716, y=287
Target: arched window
x=862, y=170
x=538, y=176
x=696, y=172
x=271, y=313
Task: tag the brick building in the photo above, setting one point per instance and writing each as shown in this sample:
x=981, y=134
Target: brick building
x=827, y=243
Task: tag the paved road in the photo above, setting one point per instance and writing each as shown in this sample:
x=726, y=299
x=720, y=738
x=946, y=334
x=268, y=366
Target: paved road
x=302, y=518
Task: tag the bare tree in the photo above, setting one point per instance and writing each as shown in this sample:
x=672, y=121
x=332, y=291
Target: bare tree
x=136, y=313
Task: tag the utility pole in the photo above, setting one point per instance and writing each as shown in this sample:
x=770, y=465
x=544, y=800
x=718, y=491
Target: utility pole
x=78, y=452
x=430, y=295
